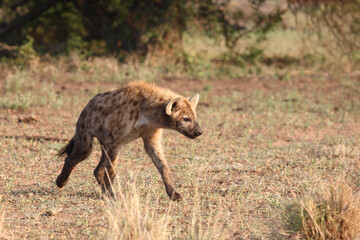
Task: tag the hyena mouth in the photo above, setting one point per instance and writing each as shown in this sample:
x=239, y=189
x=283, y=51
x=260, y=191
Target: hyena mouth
x=193, y=135
x=186, y=134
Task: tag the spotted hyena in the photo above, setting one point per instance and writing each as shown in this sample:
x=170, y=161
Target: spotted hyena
x=136, y=110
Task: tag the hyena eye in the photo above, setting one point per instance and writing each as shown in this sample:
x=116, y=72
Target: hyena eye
x=186, y=119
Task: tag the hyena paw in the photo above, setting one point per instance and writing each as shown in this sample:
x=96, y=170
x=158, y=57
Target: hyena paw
x=60, y=181
x=176, y=196
x=108, y=196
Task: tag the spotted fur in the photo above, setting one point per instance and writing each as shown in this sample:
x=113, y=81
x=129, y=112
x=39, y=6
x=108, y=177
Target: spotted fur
x=136, y=110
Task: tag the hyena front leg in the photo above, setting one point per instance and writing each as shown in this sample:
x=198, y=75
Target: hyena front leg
x=153, y=147
x=105, y=171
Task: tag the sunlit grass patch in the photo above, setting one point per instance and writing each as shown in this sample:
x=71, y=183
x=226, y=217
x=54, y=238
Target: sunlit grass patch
x=23, y=90
x=333, y=212
x=131, y=218
x=138, y=216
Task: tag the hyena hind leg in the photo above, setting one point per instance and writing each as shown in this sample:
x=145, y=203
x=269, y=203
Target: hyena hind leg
x=105, y=171
x=81, y=150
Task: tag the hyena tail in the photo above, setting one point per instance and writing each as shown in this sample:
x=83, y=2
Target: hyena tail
x=67, y=149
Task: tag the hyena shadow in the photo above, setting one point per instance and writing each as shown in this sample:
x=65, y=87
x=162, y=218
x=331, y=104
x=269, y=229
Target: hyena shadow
x=50, y=192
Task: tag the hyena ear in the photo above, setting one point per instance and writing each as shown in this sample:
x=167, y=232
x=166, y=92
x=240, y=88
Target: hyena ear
x=194, y=101
x=170, y=106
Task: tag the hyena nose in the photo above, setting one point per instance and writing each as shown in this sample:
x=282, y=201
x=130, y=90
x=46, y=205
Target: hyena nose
x=199, y=132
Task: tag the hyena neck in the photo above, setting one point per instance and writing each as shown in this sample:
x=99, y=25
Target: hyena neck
x=153, y=113
x=158, y=118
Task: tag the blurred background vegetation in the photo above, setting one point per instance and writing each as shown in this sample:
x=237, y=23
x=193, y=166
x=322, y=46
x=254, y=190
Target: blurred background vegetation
x=195, y=34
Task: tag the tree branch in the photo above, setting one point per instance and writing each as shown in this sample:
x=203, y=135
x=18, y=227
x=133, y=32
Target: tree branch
x=18, y=3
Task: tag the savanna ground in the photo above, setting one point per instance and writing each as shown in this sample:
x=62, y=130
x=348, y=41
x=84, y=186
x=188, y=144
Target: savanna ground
x=269, y=137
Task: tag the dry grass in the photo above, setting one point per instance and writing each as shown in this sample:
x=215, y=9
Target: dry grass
x=130, y=218
x=2, y=216
x=331, y=213
x=134, y=217
x=213, y=228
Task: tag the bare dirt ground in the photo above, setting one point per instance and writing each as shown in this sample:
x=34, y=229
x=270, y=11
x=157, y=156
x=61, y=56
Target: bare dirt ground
x=265, y=140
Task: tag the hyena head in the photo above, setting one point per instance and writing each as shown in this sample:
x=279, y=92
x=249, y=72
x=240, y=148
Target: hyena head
x=183, y=116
